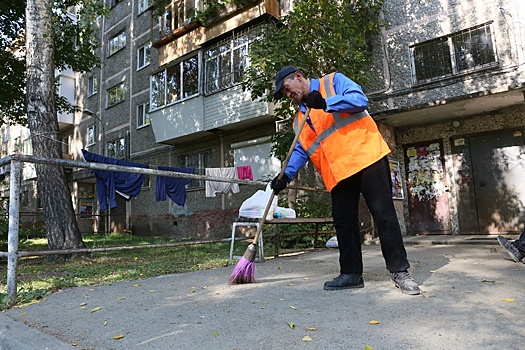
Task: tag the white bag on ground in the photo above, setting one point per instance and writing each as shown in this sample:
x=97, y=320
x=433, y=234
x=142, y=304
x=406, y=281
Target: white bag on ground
x=254, y=206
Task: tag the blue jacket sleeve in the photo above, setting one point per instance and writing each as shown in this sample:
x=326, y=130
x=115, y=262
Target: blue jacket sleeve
x=348, y=98
x=297, y=160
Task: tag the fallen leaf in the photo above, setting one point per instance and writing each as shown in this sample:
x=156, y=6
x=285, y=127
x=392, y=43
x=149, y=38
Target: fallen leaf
x=292, y=307
x=291, y=324
x=311, y=329
x=96, y=309
x=433, y=271
x=121, y=298
x=281, y=299
x=368, y=348
x=137, y=285
x=83, y=304
x=152, y=290
x=202, y=316
x=23, y=313
x=509, y=300
x=215, y=334
x=105, y=323
x=487, y=281
x=306, y=338
x=373, y=322
x=290, y=284
x=117, y=337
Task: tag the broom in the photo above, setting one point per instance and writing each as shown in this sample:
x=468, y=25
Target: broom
x=244, y=271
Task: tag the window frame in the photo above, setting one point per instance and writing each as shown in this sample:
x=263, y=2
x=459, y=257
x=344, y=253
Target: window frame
x=202, y=162
x=449, y=52
x=214, y=79
x=117, y=43
x=143, y=115
x=160, y=87
x=143, y=6
x=91, y=133
x=116, y=153
x=145, y=56
x=122, y=86
x=92, y=85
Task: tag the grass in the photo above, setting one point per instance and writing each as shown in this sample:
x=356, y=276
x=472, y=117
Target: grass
x=38, y=278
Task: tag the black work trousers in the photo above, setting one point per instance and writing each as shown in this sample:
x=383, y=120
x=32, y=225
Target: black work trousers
x=375, y=185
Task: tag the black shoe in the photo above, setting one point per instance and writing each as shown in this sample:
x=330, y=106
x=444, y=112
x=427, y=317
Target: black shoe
x=511, y=249
x=345, y=281
x=405, y=282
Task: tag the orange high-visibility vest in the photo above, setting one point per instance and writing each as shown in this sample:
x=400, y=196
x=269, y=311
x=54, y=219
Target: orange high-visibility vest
x=343, y=143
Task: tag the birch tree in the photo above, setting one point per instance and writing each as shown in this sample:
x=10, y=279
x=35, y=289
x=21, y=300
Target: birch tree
x=61, y=225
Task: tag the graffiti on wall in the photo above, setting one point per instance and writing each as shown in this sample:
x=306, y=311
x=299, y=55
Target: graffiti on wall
x=425, y=172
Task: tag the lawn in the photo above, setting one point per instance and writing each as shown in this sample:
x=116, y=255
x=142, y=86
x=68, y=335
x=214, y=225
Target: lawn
x=37, y=277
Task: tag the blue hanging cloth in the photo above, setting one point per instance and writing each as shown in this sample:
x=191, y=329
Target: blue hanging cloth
x=109, y=183
x=173, y=187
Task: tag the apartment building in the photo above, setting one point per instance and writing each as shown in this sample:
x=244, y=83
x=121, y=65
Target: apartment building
x=449, y=99
x=453, y=94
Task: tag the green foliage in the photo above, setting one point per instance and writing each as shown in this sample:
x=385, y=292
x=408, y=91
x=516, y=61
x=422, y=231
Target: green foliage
x=75, y=43
x=319, y=37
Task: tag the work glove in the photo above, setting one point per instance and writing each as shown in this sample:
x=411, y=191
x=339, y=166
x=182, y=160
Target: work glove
x=315, y=100
x=279, y=184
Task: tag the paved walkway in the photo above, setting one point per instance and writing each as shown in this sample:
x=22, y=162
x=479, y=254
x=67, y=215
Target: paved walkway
x=474, y=298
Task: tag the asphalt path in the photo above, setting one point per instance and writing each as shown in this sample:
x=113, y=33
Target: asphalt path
x=473, y=298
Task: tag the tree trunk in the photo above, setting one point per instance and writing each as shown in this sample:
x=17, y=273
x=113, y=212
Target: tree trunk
x=61, y=225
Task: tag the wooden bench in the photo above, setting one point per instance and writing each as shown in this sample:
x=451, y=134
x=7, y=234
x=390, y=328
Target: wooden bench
x=279, y=230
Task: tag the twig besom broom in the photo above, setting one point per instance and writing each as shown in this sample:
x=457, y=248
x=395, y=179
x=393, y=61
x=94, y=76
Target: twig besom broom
x=244, y=271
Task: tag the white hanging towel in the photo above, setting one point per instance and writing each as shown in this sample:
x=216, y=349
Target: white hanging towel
x=212, y=187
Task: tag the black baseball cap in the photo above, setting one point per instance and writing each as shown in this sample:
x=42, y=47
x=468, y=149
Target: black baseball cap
x=279, y=78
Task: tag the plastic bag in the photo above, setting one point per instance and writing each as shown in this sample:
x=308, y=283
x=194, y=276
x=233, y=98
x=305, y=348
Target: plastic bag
x=332, y=242
x=254, y=206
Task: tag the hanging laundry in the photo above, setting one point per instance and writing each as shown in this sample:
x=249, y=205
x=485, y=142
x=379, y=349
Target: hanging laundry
x=110, y=183
x=212, y=187
x=244, y=172
x=172, y=187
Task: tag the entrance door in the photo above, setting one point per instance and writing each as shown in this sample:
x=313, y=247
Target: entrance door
x=498, y=166
x=427, y=190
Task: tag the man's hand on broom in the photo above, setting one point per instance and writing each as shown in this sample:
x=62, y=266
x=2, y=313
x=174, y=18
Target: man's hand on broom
x=279, y=184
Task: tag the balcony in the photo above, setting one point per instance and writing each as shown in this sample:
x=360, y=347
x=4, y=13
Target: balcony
x=199, y=116
x=183, y=17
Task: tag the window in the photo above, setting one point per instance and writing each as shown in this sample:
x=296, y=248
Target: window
x=175, y=83
x=117, y=43
x=459, y=53
x=143, y=115
x=27, y=146
x=143, y=56
x=116, y=149
x=200, y=161
x=143, y=5
x=225, y=63
x=92, y=85
x=90, y=137
x=178, y=13
x=116, y=94
x=65, y=145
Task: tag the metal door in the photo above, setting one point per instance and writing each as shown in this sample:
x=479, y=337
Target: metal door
x=498, y=166
x=427, y=190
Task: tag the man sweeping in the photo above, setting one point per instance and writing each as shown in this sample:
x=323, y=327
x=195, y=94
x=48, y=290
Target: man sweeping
x=344, y=144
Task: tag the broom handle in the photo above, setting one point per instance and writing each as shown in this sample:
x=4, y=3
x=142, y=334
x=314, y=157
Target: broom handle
x=281, y=174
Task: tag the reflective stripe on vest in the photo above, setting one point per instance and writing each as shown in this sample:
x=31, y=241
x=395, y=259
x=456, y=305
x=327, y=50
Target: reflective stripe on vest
x=339, y=121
